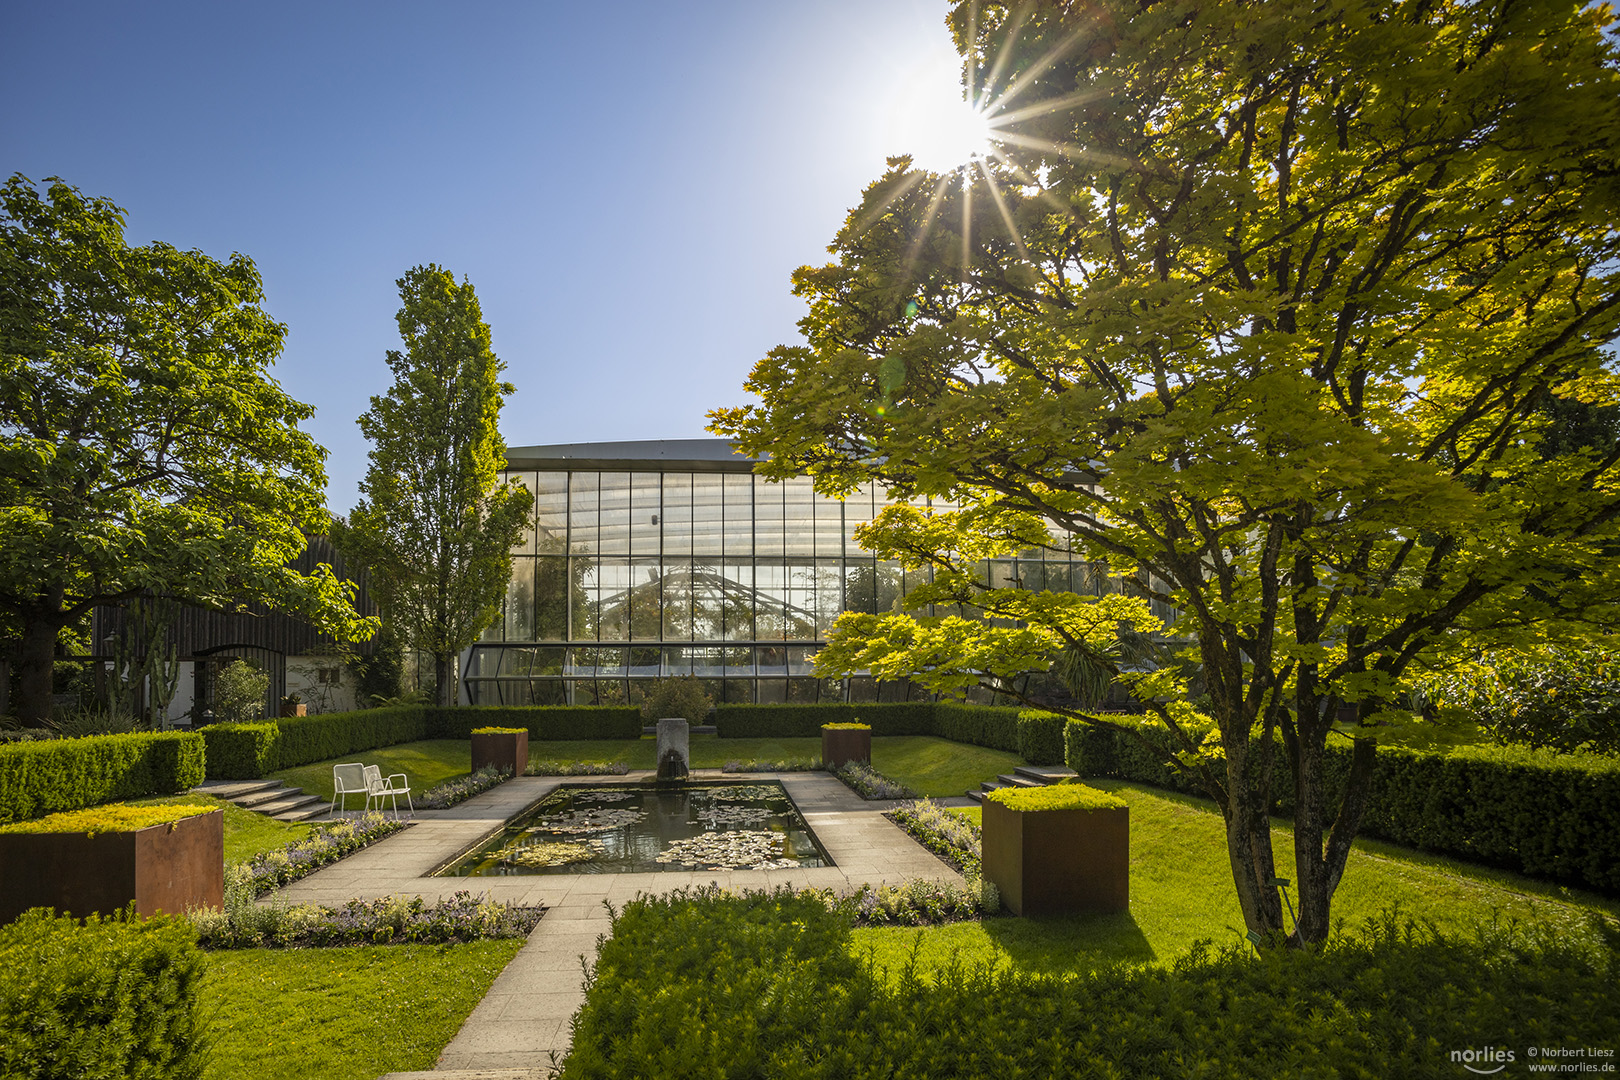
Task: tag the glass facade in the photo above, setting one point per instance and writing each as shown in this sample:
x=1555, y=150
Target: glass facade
x=626, y=576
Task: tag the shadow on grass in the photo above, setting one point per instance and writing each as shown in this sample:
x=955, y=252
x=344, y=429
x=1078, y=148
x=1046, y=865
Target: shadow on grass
x=1055, y=945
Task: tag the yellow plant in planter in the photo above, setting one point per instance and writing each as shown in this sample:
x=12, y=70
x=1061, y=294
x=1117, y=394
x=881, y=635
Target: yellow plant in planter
x=1055, y=797
x=500, y=731
x=115, y=817
x=1057, y=850
x=846, y=727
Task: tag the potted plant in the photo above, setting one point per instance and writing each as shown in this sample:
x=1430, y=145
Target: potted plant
x=1059, y=849
x=501, y=747
x=293, y=705
x=841, y=743
x=160, y=857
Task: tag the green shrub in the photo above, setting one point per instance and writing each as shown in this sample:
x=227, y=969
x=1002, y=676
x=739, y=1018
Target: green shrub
x=1040, y=738
x=763, y=984
x=109, y=999
x=545, y=723
x=38, y=778
x=1533, y=812
x=239, y=692
x=306, y=739
x=242, y=751
x=995, y=726
x=681, y=697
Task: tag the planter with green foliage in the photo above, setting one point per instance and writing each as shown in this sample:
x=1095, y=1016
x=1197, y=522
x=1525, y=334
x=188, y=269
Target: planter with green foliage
x=500, y=748
x=161, y=858
x=843, y=743
x=1056, y=850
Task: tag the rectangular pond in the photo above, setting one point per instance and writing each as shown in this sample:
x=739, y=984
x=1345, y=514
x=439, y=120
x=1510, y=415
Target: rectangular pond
x=628, y=828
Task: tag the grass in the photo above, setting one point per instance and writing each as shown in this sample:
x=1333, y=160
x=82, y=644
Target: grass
x=425, y=764
x=291, y=1014
x=939, y=767
x=1181, y=892
x=246, y=833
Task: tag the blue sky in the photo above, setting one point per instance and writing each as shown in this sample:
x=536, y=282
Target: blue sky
x=628, y=186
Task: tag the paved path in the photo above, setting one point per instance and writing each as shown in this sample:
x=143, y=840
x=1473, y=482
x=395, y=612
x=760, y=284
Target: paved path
x=525, y=1017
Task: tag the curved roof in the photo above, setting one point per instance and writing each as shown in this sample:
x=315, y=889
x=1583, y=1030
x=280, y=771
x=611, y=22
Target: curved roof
x=641, y=455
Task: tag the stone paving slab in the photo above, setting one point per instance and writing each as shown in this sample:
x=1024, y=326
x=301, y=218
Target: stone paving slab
x=526, y=1016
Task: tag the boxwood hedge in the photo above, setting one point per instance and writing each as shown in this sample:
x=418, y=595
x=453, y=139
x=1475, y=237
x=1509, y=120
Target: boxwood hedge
x=38, y=778
x=978, y=725
x=765, y=984
x=1534, y=812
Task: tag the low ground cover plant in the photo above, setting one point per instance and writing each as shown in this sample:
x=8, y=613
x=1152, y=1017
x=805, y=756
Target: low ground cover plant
x=868, y=783
x=462, y=788
x=921, y=903
x=327, y=844
x=389, y=920
x=764, y=984
x=792, y=764
x=108, y=997
x=547, y=767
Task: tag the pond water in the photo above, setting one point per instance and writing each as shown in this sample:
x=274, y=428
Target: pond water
x=625, y=828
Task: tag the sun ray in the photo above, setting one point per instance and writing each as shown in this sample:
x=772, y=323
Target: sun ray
x=871, y=217
x=967, y=222
x=1073, y=153
x=1023, y=177
x=1001, y=206
x=915, y=251
x=1043, y=108
x=1005, y=54
x=968, y=67
x=1035, y=70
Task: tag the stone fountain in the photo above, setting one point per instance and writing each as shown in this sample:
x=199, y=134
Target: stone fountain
x=674, y=750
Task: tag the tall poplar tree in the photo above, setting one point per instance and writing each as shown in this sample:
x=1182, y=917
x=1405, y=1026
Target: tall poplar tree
x=1270, y=306
x=434, y=524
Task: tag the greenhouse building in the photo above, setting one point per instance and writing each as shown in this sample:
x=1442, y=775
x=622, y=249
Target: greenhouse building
x=661, y=558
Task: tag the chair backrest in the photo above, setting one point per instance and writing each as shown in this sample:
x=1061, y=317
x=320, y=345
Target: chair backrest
x=350, y=776
x=374, y=778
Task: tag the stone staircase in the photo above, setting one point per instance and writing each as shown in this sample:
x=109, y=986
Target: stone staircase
x=1023, y=776
x=269, y=797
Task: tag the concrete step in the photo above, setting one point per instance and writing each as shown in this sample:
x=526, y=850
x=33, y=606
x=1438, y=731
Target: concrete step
x=292, y=799
x=232, y=790
x=256, y=799
x=976, y=796
x=305, y=813
x=1014, y=780
x=1045, y=774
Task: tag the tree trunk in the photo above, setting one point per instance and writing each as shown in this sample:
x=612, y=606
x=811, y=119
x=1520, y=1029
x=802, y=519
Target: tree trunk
x=1248, y=843
x=444, y=678
x=5, y=687
x=1320, y=856
x=36, y=670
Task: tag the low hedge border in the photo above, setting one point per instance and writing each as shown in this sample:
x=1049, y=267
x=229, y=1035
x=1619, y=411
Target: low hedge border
x=1533, y=812
x=978, y=725
x=39, y=778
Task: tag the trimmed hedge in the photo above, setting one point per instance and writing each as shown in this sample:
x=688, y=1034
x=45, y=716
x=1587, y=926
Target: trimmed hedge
x=1040, y=738
x=544, y=723
x=979, y=725
x=700, y=983
x=115, y=997
x=1534, y=812
x=241, y=751
x=306, y=739
x=39, y=778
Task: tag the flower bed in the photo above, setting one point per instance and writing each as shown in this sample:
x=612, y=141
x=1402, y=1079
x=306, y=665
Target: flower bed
x=868, y=783
x=796, y=764
x=389, y=920
x=326, y=845
x=462, y=788
x=577, y=768
x=950, y=836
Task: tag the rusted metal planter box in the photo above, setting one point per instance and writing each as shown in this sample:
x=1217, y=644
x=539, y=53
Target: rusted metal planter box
x=839, y=745
x=502, y=749
x=168, y=868
x=1058, y=862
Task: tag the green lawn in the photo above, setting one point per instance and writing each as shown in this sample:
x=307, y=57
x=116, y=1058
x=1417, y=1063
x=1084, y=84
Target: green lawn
x=246, y=833
x=939, y=767
x=1181, y=891
x=291, y=1014
x=425, y=764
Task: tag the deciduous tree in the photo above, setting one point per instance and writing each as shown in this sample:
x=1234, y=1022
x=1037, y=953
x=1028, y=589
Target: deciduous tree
x=143, y=443
x=1262, y=304
x=434, y=525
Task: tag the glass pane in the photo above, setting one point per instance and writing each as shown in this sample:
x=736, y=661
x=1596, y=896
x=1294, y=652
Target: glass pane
x=646, y=504
x=890, y=586
x=708, y=598
x=516, y=661
x=644, y=661
x=798, y=516
x=582, y=513
x=677, y=606
x=862, y=688
x=860, y=585
x=801, y=600
x=547, y=662
x=551, y=596
x=520, y=601
x=547, y=692
x=829, y=594
x=829, y=527
x=584, y=606
x=803, y=690
x=613, y=581
x=770, y=599
x=551, y=513
x=739, y=602
x=525, y=544
x=857, y=511
x=738, y=691
x=708, y=662
x=646, y=600
x=772, y=659
x=768, y=539
x=738, y=660
x=677, y=514
x=613, y=514
x=772, y=691
x=738, y=529
x=705, y=518
x=798, y=659
x=677, y=660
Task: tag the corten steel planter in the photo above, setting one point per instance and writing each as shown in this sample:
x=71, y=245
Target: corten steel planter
x=839, y=745
x=168, y=867
x=502, y=749
x=1058, y=862
x=293, y=710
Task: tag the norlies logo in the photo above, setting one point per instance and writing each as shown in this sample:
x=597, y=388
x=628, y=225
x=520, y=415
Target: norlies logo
x=1497, y=1056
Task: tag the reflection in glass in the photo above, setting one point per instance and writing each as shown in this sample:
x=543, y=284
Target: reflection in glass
x=829, y=527
x=738, y=528
x=582, y=513
x=552, y=592
x=551, y=513
x=646, y=499
x=520, y=601
x=706, y=516
x=677, y=514
x=740, y=600
x=613, y=513
x=798, y=516
x=525, y=545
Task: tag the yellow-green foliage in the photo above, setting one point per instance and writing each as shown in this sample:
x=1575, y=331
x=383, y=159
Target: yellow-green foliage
x=499, y=731
x=118, y=817
x=846, y=727
x=1055, y=797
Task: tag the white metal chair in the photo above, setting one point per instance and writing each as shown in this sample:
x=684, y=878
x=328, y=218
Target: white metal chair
x=379, y=789
x=348, y=779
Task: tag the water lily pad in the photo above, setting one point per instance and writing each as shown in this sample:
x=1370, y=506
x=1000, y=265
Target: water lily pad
x=758, y=850
x=548, y=853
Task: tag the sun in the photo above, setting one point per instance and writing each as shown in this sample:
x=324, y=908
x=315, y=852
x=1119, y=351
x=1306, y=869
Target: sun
x=934, y=123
